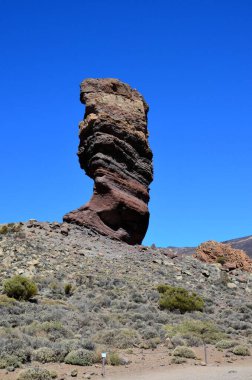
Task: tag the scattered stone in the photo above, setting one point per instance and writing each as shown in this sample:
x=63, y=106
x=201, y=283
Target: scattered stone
x=74, y=373
x=231, y=285
x=205, y=273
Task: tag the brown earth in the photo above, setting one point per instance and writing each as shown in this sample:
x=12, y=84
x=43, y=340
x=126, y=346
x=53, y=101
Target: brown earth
x=156, y=364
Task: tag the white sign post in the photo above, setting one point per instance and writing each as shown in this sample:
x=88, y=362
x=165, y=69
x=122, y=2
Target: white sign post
x=104, y=355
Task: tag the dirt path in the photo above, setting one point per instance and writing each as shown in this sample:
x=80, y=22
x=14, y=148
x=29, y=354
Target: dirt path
x=226, y=372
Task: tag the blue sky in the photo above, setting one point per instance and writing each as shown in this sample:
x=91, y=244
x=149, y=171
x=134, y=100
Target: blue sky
x=192, y=61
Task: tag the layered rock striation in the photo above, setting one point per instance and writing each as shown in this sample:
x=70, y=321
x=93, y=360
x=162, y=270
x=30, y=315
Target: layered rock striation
x=114, y=151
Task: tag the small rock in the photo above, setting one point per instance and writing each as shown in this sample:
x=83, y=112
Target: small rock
x=168, y=263
x=74, y=373
x=157, y=261
x=64, y=231
x=203, y=364
x=231, y=285
x=205, y=273
x=186, y=272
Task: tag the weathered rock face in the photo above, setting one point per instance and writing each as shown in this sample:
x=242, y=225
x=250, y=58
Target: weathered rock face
x=230, y=258
x=114, y=151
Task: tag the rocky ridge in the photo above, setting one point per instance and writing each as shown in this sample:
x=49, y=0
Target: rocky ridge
x=114, y=151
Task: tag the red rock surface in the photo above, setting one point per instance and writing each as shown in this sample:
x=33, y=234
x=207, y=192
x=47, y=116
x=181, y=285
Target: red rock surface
x=114, y=151
x=213, y=252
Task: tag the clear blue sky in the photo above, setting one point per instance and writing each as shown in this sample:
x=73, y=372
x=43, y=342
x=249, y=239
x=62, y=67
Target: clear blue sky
x=192, y=61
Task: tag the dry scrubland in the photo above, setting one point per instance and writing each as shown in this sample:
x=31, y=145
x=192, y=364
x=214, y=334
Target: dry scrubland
x=96, y=294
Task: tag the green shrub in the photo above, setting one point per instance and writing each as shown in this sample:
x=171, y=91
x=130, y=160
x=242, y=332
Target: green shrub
x=119, y=338
x=10, y=227
x=241, y=350
x=68, y=288
x=114, y=359
x=178, y=360
x=80, y=357
x=224, y=343
x=184, y=352
x=35, y=374
x=5, y=300
x=221, y=260
x=3, y=229
x=44, y=355
x=173, y=298
x=195, y=332
x=9, y=361
x=20, y=288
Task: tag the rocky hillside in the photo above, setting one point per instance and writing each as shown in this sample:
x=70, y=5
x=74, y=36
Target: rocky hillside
x=97, y=292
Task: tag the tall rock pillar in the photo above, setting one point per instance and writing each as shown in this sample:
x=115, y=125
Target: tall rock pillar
x=114, y=152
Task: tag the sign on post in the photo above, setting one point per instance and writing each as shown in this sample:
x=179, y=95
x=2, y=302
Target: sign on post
x=104, y=355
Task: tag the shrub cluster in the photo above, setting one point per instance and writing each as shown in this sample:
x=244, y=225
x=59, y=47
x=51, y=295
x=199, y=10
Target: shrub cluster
x=195, y=332
x=173, y=298
x=20, y=288
x=36, y=374
x=184, y=352
x=80, y=357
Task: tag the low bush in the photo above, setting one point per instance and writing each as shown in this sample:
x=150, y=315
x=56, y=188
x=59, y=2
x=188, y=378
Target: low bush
x=68, y=288
x=9, y=361
x=224, y=343
x=178, y=360
x=120, y=338
x=195, y=332
x=173, y=298
x=80, y=357
x=241, y=350
x=20, y=288
x=221, y=260
x=3, y=229
x=5, y=300
x=44, y=355
x=114, y=359
x=184, y=352
x=36, y=374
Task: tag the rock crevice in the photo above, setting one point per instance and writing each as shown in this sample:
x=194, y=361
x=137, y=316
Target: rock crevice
x=114, y=151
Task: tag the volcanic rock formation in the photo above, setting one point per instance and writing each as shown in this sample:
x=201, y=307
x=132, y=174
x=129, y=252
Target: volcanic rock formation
x=115, y=153
x=213, y=252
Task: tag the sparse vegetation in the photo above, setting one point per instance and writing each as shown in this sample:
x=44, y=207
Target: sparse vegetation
x=225, y=343
x=195, y=332
x=114, y=359
x=68, y=288
x=221, y=260
x=36, y=374
x=178, y=360
x=184, y=352
x=44, y=355
x=175, y=298
x=241, y=350
x=80, y=357
x=20, y=288
x=121, y=338
x=115, y=302
x=9, y=361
